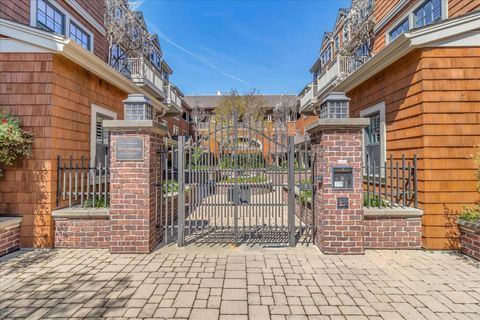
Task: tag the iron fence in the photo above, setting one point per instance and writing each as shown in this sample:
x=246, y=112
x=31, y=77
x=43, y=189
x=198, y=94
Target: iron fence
x=392, y=184
x=81, y=183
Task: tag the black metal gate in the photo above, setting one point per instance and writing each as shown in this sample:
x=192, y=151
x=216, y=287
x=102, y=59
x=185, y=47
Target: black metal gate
x=244, y=181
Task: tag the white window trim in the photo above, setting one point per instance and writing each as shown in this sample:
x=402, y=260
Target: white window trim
x=68, y=18
x=380, y=108
x=411, y=22
x=96, y=109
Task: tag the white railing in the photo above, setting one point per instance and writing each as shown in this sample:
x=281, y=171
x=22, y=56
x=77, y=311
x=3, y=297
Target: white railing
x=173, y=97
x=327, y=78
x=340, y=69
x=307, y=96
x=349, y=65
x=139, y=70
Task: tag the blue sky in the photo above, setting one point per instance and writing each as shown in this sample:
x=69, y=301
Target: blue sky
x=221, y=44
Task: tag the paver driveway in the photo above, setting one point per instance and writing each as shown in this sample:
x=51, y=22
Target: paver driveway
x=239, y=283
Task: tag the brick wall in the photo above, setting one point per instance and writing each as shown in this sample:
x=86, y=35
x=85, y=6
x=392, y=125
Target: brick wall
x=53, y=97
x=82, y=233
x=340, y=230
x=470, y=239
x=392, y=233
x=9, y=235
x=133, y=221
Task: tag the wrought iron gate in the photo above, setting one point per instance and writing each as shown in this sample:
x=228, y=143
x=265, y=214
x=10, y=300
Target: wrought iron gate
x=244, y=181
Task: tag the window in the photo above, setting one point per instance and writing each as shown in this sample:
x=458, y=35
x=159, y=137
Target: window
x=375, y=135
x=316, y=73
x=175, y=131
x=156, y=59
x=326, y=55
x=372, y=140
x=49, y=18
x=398, y=30
x=79, y=35
x=346, y=33
x=100, y=139
x=429, y=12
x=337, y=43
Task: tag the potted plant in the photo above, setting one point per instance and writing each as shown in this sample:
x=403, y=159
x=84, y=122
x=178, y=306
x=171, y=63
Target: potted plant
x=14, y=141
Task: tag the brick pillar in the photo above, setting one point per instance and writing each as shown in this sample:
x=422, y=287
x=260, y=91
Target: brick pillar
x=338, y=146
x=135, y=170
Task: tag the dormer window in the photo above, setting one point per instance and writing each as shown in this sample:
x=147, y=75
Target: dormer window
x=156, y=59
x=326, y=56
x=50, y=18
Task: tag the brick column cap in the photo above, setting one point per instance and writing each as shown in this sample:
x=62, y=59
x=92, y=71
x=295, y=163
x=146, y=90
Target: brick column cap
x=134, y=125
x=341, y=123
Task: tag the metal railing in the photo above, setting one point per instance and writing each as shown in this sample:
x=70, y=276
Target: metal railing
x=337, y=71
x=139, y=70
x=349, y=65
x=392, y=184
x=83, y=184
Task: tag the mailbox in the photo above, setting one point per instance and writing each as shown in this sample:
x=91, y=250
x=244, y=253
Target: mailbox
x=342, y=203
x=342, y=178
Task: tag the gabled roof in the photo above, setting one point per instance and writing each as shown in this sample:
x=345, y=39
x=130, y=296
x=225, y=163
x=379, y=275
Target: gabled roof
x=327, y=36
x=156, y=42
x=342, y=12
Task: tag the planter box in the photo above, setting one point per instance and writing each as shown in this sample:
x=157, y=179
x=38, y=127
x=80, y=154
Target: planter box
x=470, y=238
x=9, y=234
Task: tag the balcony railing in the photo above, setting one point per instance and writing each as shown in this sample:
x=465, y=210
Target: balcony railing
x=173, y=98
x=142, y=72
x=349, y=65
x=337, y=71
x=308, y=96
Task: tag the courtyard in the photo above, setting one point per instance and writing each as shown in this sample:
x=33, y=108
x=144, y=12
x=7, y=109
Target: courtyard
x=246, y=282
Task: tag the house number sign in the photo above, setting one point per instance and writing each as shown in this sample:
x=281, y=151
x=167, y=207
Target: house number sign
x=129, y=149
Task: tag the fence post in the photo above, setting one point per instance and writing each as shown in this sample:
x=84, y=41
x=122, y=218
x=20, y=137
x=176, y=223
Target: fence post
x=291, y=191
x=181, y=194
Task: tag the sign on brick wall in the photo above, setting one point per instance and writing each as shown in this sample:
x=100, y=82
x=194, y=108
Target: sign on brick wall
x=129, y=149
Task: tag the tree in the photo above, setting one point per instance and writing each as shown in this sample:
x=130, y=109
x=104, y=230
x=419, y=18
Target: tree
x=127, y=34
x=286, y=110
x=248, y=107
x=361, y=20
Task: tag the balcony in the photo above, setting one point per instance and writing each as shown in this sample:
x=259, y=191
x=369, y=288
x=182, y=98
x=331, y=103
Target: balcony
x=307, y=98
x=173, y=98
x=143, y=74
x=336, y=72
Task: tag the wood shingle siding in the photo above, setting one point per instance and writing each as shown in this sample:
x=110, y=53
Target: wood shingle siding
x=432, y=98
x=18, y=10
x=53, y=98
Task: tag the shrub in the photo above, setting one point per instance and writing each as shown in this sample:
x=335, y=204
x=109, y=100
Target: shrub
x=14, y=141
x=473, y=214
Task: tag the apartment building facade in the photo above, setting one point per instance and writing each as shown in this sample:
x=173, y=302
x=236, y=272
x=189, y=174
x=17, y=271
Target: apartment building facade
x=413, y=70
x=57, y=76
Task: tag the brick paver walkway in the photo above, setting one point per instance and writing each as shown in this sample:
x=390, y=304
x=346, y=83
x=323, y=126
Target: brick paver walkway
x=232, y=283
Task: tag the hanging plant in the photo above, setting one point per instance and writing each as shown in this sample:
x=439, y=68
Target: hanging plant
x=14, y=141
